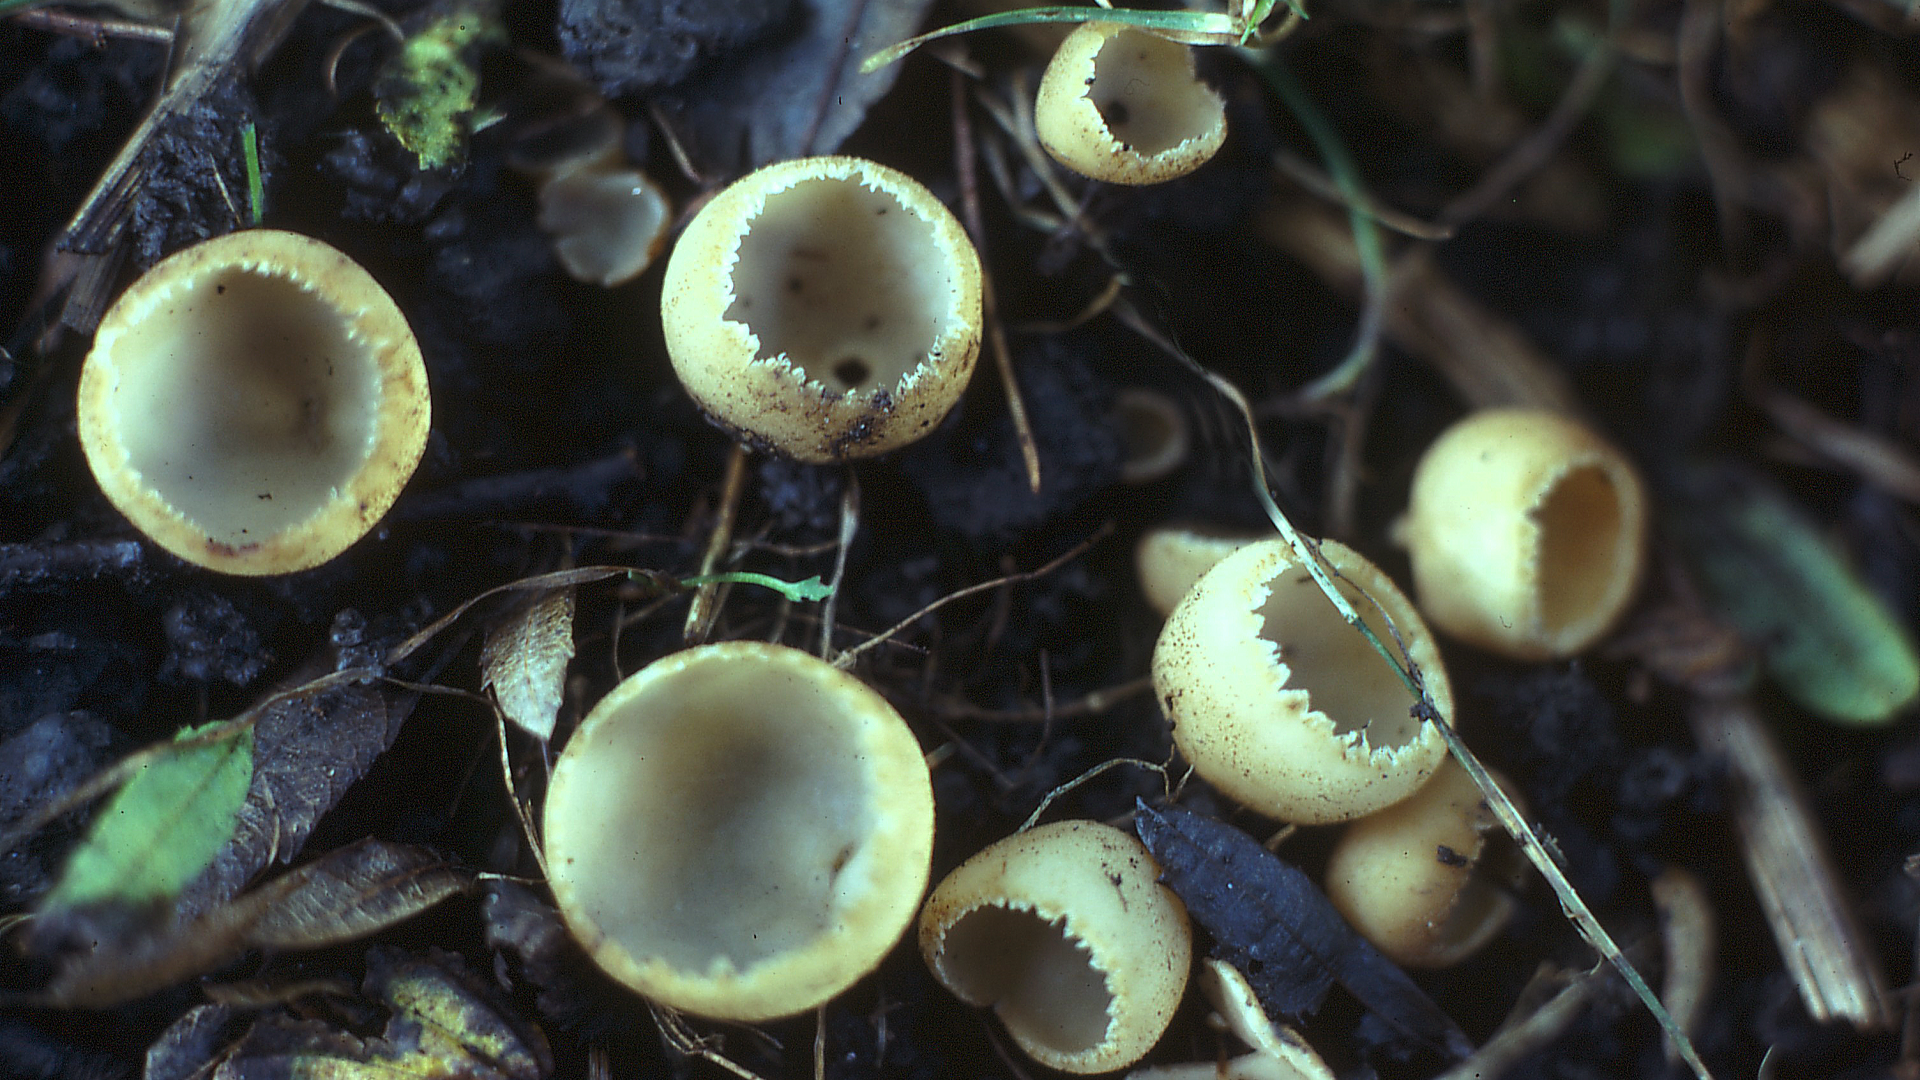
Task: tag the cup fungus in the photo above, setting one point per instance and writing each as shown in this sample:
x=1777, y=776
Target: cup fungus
x=1430, y=879
x=1280, y=704
x=254, y=403
x=1121, y=105
x=1526, y=532
x=1065, y=931
x=1153, y=435
x=1171, y=558
x=739, y=831
x=607, y=219
x=826, y=308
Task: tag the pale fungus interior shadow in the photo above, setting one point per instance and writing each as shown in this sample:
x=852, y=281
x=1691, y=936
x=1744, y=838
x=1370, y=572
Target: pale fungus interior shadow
x=1333, y=662
x=254, y=404
x=1582, y=548
x=1038, y=978
x=842, y=280
x=1147, y=95
x=749, y=837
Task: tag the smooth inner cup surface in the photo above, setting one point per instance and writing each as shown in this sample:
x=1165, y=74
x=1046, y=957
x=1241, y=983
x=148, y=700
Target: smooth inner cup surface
x=1145, y=91
x=733, y=812
x=844, y=282
x=1580, y=542
x=1342, y=675
x=246, y=402
x=1041, y=981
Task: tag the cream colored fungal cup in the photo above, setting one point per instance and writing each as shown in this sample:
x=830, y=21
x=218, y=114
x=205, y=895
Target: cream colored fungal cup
x=1122, y=105
x=1526, y=532
x=1066, y=933
x=254, y=403
x=1430, y=879
x=1285, y=708
x=826, y=309
x=739, y=831
x=607, y=223
x=1171, y=559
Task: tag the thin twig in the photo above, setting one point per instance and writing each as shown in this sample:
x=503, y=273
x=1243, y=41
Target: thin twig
x=1093, y=704
x=849, y=526
x=845, y=660
x=964, y=162
x=701, y=612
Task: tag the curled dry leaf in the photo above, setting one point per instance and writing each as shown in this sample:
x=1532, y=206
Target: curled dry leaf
x=352, y=892
x=525, y=660
x=443, y=1023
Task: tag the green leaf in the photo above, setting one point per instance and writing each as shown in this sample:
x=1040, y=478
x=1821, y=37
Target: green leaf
x=256, y=193
x=1824, y=637
x=811, y=589
x=163, y=827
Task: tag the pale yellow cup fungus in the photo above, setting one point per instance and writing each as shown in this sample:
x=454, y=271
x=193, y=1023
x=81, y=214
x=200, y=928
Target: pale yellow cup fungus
x=1065, y=931
x=1285, y=708
x=1526, y=532
x=607, y=219
x=1122, y=105
x=1170, y=559
x=607, y=223
x=739, y=831
x=826, y=309
x=254, y=403
x=1430, y=879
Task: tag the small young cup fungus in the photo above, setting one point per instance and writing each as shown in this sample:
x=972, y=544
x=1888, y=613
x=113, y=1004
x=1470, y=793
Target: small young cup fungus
x=739, y=831
x=1424, y=879
x=1065, y=931
x=1280, y=704
x=254, y=403
x=1153, y=434
x=1526, y=532
x=1121, y=105
x=607, y=219
x=826, y=308
x=1171, y=558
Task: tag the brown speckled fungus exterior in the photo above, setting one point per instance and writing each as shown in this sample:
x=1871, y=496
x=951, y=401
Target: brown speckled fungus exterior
x=254, y=403
x=1284, y=707
x=826, y=309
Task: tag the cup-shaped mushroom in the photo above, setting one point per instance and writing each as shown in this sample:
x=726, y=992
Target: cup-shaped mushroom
x=607, y=223
x=1170, y=559
x=1429, y=879
x=1153, y=435
x=739, y=831
x=826, y=309
x=254, y=403
x=1280, y=704
x=1066, y=933
x=1122, y=105
x=1526, y=532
